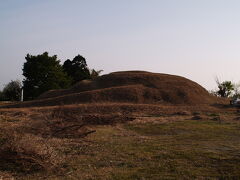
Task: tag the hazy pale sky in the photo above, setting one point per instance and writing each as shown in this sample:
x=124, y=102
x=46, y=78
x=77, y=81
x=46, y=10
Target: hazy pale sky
x=197, y=39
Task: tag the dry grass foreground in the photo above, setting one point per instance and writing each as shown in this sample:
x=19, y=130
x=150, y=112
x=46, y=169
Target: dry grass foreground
x=154, y=142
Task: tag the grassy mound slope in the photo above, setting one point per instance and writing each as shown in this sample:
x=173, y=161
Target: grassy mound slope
x=131, y=87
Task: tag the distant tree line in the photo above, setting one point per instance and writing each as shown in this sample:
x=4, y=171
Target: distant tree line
x=43, y=72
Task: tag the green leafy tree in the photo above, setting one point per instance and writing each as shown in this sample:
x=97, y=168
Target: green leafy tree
x=42, y=73
x=77, y=69
x=225, y=88
x=12, y=91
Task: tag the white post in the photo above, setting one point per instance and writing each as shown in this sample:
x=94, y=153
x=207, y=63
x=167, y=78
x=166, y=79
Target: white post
x=22, y=95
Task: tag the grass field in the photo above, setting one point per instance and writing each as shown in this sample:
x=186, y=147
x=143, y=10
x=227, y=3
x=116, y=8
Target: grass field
x=178, y=150
x=185, y=145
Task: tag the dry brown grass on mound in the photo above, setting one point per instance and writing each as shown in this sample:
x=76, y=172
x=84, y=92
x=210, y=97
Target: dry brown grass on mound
x=129, y=87
x=138, y=87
